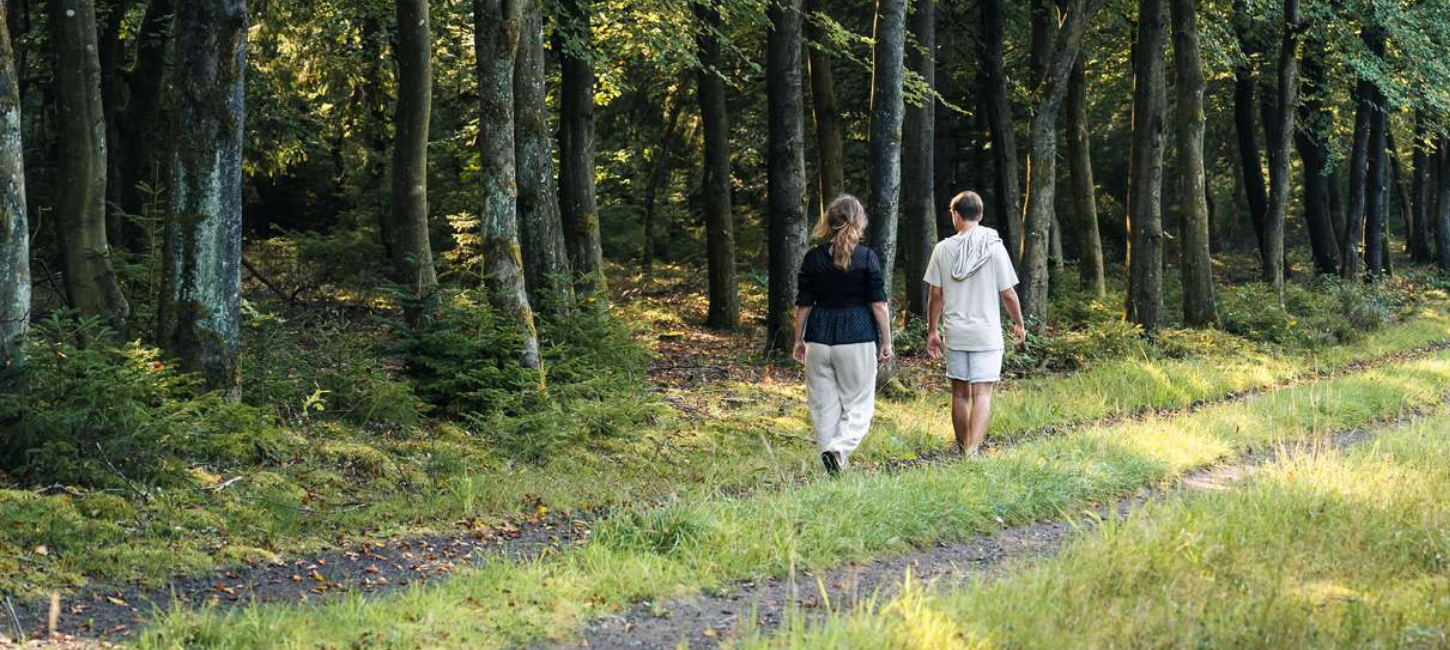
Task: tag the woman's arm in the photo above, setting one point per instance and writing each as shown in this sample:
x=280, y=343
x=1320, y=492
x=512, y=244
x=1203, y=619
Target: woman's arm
x=801, y=314
x=883, y=324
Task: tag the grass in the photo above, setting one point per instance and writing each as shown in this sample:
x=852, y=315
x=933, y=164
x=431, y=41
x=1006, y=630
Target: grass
x=712, y=541
x=1335, y=550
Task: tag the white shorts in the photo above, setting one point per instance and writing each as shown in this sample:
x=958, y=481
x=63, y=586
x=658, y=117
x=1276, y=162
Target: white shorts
x=974, y=366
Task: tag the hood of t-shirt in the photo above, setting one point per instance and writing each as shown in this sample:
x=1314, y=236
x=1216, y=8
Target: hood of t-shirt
x=973, y=251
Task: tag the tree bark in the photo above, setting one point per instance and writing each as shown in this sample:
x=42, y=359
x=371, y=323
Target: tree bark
x=497, y=27
x=577, y=203
x=200, y=314
x=90, y=281
x=1042, y=162
x=785, y=171
x=1442, y=207
x=887, y=108
x=1280, y=133
x=1422, y=185
x=1085, y=210
x=1377, y=194
x=1358, y=182
x=724, y=295
x=1245, y=105
x=141, y=157
x=411, y=250
x=1199, y=309
x=918, y=163
x=1318, y=209
x=830, y=152
x=541, y=229
x=1145, y=175
x=1008, y=205
x=14, y=233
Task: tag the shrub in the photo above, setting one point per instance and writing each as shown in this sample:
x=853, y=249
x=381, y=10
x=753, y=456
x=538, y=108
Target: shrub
x=1251, y=311
x=110, y=415
x=1105, y=339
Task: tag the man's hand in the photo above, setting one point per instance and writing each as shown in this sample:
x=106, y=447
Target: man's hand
x=800, y=352
x=933, y=345
x=884, y=353
x=1019, y=334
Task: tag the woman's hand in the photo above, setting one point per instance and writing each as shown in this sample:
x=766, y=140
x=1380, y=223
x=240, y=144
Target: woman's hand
x=800, y=352
x=884, y=353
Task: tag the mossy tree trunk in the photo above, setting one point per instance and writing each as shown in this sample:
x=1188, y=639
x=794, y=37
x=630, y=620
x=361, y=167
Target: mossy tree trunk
x=830, y=151
x=1008, y=204
x=1084, y=201
x=724, y=294
x=497, y=27
x=785, y=171
x=1042, y=162
x=577, y=201
x=1145, y=175
x=14, y=233
x=91, y=284
x=918, y=162
x=200, y=309
x=541, y=231
x=410, y=248
x=1197, y=265
x=887, y=113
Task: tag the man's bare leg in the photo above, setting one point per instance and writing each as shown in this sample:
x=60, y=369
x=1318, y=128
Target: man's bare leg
x=981, y=414
x=961, y=413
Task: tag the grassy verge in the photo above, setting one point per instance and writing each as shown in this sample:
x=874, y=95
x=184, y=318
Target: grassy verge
x=652, y=553
x=349, y=482
x=1337, y=550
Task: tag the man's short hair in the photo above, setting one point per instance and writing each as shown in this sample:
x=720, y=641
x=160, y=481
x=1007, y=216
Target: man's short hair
x=968, y=206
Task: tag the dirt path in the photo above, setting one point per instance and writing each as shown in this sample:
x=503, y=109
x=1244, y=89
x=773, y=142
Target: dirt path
x=712, y=620
x=118, y=611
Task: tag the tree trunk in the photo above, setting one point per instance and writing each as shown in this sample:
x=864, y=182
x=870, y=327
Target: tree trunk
x=1422, y=229
x=1145, y=175
x=1281, y=132
x=1199, y=309
x=90, y=282
x=200, y=312
x=724, y=295
x=1442, y=207
x=1042, y=162
x=829, y=145
x=1250, y=151
x=111, y=50
x=1318, y=218
x=887, y=107
x=412, y=253
x=785, y=171
x=541, y=231
x=1353, y=237
x=1377, y=194
x=497, y=26
x=14, y=234
x=660, y=168
x=1085, y=210
x=918, y=163
x=1044, y=29
x=141, y=160
x=1008, y=204
x=574, y=38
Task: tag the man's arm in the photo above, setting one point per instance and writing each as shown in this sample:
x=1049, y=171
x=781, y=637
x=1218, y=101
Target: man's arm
x=1014, y=309
x=933, y=316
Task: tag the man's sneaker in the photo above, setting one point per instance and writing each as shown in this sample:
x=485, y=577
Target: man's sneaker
x=832, y=462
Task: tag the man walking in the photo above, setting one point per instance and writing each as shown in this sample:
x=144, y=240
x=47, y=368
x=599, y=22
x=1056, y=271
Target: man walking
x=969, y=273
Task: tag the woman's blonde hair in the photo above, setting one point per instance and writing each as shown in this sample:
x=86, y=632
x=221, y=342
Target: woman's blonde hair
x=843, y=223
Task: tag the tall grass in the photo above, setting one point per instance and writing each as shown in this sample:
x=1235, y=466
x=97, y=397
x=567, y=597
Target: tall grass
x=1326, y=551
x=712, y=541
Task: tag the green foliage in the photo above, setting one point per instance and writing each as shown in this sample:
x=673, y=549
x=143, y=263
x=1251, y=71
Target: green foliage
x=91, y=412
x=463, y=359
x=665, y=531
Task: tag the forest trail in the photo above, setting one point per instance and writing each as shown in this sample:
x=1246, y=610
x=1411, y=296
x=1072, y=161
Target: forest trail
x=115, y=612
x=712, y=620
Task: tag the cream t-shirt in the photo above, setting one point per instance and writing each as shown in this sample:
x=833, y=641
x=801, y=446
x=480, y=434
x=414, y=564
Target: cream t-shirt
x=971, y=308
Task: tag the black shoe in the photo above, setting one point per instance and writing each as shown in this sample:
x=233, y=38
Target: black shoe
x=832, y=463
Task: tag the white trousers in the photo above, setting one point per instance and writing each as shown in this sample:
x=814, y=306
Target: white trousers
x=841, y=391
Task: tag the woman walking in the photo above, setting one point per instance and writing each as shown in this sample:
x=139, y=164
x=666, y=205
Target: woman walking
x=842, y=330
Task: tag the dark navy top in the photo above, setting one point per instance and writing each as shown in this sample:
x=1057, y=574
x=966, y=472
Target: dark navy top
x=840, y=301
